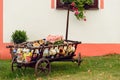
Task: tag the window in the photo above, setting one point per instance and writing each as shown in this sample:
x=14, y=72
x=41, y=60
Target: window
x=60, y=5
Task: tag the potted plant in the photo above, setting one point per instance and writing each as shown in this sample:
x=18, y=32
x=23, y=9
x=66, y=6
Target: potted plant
x=19, y=36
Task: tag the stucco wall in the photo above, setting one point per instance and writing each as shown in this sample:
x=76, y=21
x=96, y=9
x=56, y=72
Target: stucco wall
x=38, y=19
x=99, y=34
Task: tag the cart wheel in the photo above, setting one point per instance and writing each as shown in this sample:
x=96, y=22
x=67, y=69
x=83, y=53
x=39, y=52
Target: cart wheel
x=79, y=59
x=15, y=65
x=42, y=67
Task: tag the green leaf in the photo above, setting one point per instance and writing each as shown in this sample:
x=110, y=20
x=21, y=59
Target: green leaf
x=19, y=36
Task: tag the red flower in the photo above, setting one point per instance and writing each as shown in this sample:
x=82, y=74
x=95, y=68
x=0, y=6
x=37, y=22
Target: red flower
x=85, y=19
x=75, y=9
x=76, y=12
x=73, y=4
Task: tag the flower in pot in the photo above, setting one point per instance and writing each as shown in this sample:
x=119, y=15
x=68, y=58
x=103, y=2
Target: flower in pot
x=19, y=36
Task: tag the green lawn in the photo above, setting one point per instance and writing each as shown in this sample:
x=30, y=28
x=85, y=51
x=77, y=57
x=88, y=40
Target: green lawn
x=92, y=68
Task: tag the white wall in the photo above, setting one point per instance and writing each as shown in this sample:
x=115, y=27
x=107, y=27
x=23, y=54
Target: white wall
x=38, y=19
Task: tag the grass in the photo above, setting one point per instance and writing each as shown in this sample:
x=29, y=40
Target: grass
x=92, y=68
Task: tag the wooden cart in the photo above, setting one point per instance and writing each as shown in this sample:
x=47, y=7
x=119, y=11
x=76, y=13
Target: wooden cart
x=41, y=63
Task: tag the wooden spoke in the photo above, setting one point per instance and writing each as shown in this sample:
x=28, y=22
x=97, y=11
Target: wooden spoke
x=79, y=59
x=42, y=67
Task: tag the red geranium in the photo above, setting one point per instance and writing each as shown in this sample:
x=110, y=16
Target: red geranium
x=78, y=7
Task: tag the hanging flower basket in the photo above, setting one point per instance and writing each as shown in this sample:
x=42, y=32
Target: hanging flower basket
x=78, y=6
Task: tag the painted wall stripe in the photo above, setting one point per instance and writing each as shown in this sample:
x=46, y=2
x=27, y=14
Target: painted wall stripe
x=1, y=21
x=52, y=4
x=4, y=53
x=101, y=4
x=98, y=49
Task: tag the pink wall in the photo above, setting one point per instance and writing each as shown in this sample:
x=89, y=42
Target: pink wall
x=84, y=49
x=98, y=49
x=4, y=53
